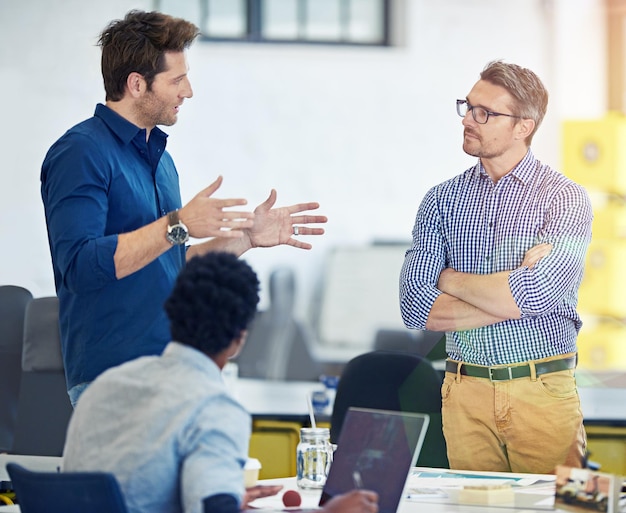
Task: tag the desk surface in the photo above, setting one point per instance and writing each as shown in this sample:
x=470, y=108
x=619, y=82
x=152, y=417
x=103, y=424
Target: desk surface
x=536, y=491
x=542, y=488
x=603, y=405
x=600, y=403
x=36, y=463
x=283, y=399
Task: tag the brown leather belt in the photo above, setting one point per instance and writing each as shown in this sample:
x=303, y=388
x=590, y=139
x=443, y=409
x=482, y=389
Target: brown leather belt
x=507, y=372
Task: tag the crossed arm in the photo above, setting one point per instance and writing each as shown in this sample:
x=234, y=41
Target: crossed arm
x=475, y=300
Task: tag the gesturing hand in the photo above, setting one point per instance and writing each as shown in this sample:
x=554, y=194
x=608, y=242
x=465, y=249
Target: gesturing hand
x=205, y=216
x=274, y=226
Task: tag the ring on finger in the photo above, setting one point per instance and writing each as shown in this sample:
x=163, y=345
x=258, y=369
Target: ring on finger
x=296, y=230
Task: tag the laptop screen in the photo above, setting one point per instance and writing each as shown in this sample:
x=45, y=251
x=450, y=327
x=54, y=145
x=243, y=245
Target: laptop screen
x=375, y=451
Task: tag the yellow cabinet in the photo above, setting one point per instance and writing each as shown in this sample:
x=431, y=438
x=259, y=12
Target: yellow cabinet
x=602, y=346
x=607, y=446
x=594, y=152
x=604, y=281
x=274, y=444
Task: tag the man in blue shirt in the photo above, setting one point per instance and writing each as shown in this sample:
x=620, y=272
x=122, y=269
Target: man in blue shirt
x=497, y=258
x=116, y=227
x=166, y=426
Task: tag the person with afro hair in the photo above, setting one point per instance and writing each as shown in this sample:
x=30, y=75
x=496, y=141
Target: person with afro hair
x=167, y=426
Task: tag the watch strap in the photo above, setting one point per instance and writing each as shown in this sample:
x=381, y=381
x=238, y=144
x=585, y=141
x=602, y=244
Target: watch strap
x=172, y=218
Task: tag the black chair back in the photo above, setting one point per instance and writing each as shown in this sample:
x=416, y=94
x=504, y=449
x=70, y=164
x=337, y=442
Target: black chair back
x=13, y=301
x=44, y=408
x=394, y=381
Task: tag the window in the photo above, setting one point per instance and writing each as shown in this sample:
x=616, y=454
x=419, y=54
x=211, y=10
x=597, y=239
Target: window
x=349, y=22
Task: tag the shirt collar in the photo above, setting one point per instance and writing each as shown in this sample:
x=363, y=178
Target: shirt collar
x=123, y=128
x=526, y=168
x=523, y=171
x=193, y=357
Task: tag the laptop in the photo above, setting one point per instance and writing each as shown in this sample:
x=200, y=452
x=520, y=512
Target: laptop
x=376, y=450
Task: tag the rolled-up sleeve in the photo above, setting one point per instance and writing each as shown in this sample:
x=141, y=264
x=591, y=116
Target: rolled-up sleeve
x=74, y=188
x=543, y=288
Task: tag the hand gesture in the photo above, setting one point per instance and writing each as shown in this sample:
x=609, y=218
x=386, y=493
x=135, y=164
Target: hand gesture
x=205, y=216
x=274, y=226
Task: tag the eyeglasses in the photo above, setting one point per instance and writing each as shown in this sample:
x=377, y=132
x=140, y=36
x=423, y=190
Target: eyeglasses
x=479, y=114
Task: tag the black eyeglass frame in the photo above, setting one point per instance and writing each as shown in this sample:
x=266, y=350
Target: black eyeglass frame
x=470, y=108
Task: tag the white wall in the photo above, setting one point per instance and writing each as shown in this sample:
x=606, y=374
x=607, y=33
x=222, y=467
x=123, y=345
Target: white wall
x=363, y=131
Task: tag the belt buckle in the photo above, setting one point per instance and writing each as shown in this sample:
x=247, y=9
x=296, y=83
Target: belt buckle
x=492, y=379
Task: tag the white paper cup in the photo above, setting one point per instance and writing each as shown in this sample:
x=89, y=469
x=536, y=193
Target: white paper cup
x=251, y=472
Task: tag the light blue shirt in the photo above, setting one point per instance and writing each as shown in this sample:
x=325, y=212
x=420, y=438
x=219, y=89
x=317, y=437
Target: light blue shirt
x=473, y=225
x=166, y=427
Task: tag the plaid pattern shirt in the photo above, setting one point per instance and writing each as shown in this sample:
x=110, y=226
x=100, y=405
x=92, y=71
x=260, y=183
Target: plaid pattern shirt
x=473, y=225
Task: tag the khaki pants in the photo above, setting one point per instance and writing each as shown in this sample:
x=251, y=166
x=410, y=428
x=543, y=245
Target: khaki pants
x=520, y=425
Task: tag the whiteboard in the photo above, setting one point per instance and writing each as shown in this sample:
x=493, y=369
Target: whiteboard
x=360, y=294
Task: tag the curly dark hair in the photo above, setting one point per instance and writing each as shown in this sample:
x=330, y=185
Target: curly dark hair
x=214, y=298
x=138, y=44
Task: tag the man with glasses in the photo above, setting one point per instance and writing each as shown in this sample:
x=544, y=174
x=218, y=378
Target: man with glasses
x=497, y=258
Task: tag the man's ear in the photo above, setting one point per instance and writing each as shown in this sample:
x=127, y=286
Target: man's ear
x=524, y=128
x=136, y=84
x=238, y=343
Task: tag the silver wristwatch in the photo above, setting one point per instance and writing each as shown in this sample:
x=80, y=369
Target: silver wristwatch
x=177, y=232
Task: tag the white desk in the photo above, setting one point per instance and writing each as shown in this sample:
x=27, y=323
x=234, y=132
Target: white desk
x=285, y=400
x=310, y=499
x=35, y=463
x=600, y=404
x=288, y=399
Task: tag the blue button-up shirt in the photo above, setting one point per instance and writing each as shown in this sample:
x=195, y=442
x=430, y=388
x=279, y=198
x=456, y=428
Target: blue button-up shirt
x=100, y=179
x=473, y=225
x=166, y=427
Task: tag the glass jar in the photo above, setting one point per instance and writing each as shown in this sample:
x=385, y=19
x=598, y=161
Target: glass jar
x=314, y=456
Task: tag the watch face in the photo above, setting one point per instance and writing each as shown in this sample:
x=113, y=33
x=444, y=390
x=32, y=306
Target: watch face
x=177, y=234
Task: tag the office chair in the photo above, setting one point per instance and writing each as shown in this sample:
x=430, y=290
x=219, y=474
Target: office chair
x=277, y=346
x=429, y=344
x=44, y=408
x=66, y=492
x=390, y=380
x=13, y=301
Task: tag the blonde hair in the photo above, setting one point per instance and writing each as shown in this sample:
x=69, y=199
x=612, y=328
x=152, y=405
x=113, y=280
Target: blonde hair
x=530, y=97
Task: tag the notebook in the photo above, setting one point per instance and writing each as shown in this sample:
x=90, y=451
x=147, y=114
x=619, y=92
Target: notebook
x=376, y=450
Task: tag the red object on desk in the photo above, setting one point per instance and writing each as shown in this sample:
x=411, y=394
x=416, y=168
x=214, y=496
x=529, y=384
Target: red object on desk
x=291, y=498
